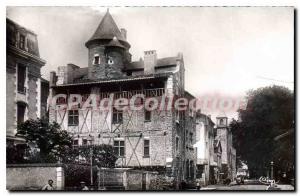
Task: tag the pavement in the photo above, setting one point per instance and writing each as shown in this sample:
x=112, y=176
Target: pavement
x=249, y=185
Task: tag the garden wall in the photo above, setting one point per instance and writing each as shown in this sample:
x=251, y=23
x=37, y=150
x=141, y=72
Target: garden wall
x=34, y=176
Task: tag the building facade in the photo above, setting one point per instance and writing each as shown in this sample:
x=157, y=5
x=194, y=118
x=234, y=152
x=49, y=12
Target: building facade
x=207, y=150
x=23, y=79
x=143, y=138
x=224, y=134
x=189, y=141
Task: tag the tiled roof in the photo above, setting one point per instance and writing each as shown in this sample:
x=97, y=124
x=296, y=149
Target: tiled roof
x=107, y=30
x=163, y=62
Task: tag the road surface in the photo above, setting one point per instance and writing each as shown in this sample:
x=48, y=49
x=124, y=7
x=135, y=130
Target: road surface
x=249, y=185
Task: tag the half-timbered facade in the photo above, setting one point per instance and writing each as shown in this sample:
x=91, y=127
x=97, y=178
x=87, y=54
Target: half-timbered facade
x=150, y=139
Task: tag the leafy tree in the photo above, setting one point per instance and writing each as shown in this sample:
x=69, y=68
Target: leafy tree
x=102, y=155
x=49, y=138
x=269, y=113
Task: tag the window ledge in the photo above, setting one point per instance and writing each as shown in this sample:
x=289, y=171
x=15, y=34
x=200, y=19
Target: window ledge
x=146, y=156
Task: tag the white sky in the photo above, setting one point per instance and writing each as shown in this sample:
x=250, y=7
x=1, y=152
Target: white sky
x=227, y=50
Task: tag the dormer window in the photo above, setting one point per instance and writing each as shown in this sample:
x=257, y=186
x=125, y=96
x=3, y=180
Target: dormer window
x=96, y=59
x=22, y=42
x=110, y=61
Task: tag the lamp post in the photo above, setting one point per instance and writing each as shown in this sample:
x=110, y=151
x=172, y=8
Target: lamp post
x=272, y=170
x=91, y=160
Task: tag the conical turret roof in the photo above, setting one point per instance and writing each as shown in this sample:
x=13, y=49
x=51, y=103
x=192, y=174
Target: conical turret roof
x=107, y=30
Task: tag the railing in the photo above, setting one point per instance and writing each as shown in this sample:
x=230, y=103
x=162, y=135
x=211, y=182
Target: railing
x=157, y=92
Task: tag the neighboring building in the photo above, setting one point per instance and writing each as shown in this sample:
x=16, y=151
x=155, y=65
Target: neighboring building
x=205, y=147
x=44, y=98
x=189, y=141
x=153, y=140
x=217, y=160
x=23, y=78
x=224, y=134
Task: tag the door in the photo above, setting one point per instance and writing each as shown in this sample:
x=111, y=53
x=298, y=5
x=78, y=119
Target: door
x=144, y=181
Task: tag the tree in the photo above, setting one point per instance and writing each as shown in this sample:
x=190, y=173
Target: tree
x=102, y=155
x=48, y=137
x=78, y=162
x=269, y=113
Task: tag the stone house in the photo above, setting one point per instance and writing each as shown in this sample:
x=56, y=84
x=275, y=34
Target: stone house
x=24, y=83
x=144, y=139
x=189, y=141
x=205, y=148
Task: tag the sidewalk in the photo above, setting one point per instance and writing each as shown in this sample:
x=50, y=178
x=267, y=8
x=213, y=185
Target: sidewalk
x=286, y=187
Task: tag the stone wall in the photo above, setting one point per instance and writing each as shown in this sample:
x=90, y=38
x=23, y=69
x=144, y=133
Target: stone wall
x=33, y=176
x=128, y=178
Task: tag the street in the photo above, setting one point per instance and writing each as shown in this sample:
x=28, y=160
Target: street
x=249, y=185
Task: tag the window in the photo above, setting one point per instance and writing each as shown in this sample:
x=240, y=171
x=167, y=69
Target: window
x=222, y=121
x=117, y=116
x=75, y=142
x=119, y=148
x=177, y=117
x=22, y=42
x=147, y=115
x=191, y=113
x=21, y=108
x=21, y=79
x=90, y=142
x=146, y=148
x=73, y=118
x=84, y=142
x=177, y=144
x=96, y=59
x=191, y=137
x=110, y=61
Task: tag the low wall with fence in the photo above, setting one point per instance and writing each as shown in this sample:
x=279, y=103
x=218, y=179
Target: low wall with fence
x=125, y=179
x=34, y=176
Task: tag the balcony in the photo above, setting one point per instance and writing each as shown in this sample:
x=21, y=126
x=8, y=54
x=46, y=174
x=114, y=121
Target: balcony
x=157, y=92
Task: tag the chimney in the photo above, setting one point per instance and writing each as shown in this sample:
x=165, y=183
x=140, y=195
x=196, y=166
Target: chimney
x=53, y=78
x=124, y=33
x=150, y=61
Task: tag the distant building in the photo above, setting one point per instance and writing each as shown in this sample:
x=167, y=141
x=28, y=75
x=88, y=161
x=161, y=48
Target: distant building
x=205, y=149
x=23, y=79
x=224, y=134
x=152, y=140
x=217, y=160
